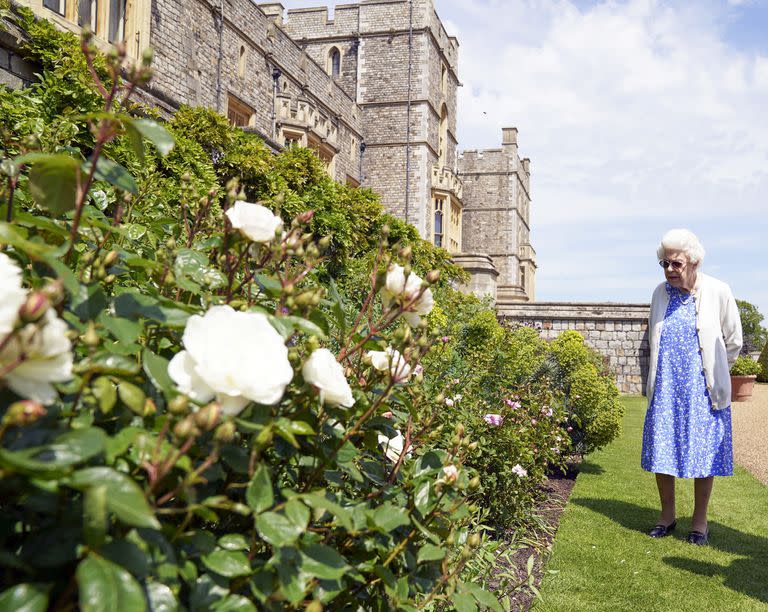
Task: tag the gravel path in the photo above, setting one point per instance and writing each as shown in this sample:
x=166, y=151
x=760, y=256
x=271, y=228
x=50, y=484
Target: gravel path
x=750, y=433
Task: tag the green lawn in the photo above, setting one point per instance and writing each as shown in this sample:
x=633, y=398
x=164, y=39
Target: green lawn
x=602, y=559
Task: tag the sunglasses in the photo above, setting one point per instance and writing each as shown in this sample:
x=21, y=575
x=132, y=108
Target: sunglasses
x=675, y=265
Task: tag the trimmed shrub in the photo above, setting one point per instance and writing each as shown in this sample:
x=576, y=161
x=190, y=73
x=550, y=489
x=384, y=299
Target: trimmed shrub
x=763, y=361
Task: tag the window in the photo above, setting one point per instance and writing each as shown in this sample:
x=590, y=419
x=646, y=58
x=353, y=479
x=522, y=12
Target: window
x=241, y=62
x=116, y=21
x=334, y=62
x=443, y=79
x=239, y=113
x=438, y=223
x=442, y=145
x=88, y=14
x=522, y=277
x=454, y=231
x=59, y=6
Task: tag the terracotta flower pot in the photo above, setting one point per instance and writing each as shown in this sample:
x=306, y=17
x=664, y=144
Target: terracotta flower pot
x=741, y=387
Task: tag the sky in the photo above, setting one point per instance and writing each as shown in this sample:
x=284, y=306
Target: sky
x=638, y=116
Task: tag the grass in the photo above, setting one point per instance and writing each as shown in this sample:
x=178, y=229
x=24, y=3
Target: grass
x=603, y=560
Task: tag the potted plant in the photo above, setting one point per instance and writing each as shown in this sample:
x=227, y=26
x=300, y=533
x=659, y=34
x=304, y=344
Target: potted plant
x=744, y=371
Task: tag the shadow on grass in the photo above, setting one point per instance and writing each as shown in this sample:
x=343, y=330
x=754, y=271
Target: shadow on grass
x=587, y=467
x=747, y=575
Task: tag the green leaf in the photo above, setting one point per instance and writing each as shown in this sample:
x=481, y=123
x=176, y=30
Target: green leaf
x=106, y=587
x=113, y=173
x=124, y=497
x=234, y=541
x=388, y=517
x=133, y=305
x=124, y=330
x=156, y=368
x=154, y=132
x=32, y=597
x=95, y=516
x=56, y=459
x=430, y=552
x=132, y=396
x=53, y=182
x=421, y=499
x=277, y=530
x=107, y=363
x=161, y=598
x=463, y=602
x=233, y=603
x=323, y=562
x=89, y=302
x=297, y=513
x=483, y=597
x=105, y=392
x=228, y=563
x=337, y=308
x=318, y=501
x=259, y=494
x=11, y=235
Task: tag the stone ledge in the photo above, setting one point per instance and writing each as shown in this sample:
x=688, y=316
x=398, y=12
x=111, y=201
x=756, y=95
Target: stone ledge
x=575, y=311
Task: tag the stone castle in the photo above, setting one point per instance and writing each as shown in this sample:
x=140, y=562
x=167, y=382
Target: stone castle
x=373, y=91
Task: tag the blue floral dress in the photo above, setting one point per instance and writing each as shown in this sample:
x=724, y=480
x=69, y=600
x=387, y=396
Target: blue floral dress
x=683, y=436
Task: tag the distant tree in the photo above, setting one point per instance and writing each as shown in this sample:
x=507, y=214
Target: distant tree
x=755, y=335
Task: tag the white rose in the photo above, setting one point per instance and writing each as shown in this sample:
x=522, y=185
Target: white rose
x=254, y=221
x=322, y=371
x=47, y=358
x=520, y=470
x=398, y=287
x=391, y=360
x=13, y=295
x=235, y=357
x=450, y=473
x=448, y=401
x=393, y=447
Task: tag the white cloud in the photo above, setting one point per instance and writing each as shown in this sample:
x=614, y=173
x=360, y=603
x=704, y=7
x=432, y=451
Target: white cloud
x=636, y=115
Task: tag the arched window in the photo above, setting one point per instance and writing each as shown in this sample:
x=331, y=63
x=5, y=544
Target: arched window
x=444, y=79
x=334, y=62
x=442, y=145
x=438, y=229
x=241, y=62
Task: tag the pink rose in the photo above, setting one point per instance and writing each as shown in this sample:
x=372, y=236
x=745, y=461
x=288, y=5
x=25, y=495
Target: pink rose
x=493, y=419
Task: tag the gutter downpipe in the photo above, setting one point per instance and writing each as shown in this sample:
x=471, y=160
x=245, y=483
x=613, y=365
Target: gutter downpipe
x=220, y=54
x=408, y=113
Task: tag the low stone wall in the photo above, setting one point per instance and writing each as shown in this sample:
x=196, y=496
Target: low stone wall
x=618, y=331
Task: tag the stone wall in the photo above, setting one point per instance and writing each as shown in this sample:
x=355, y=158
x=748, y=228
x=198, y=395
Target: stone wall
x=618, y=331
x=15, y=71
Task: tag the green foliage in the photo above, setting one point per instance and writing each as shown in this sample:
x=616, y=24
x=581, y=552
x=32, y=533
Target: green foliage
x=755, y=335
x=746, y=366
x=762, y=376
x=129, y=490
x=592, y=399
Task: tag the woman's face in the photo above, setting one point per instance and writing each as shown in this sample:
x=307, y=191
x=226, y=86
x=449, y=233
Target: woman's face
x=685, y=276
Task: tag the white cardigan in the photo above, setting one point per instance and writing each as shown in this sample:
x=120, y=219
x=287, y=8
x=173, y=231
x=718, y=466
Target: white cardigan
x=719, y=333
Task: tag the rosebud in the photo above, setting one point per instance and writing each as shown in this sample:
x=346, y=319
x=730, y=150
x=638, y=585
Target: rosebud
x=474, y=483
x=466, y=552
x=433, y=276
x=185, y=429
x=324, y=242
x=110, y=258
x=170, y=243
x=24, y=412
x=208, y=416
x=91, y=336
x=109, y=279
x=54, y=291
x=179, y=405
x=472, y=446
x=306, y=216
x=474, y=540
x=150, y=407
x=460, y=429
x=440, y=398
x=225, y=432
x=406, y=252
x=35, y=307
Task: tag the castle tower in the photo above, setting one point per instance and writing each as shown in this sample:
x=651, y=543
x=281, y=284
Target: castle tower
x=497, y=205
x=396, y=60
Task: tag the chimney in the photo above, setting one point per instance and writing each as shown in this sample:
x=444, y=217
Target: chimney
x=509, y=136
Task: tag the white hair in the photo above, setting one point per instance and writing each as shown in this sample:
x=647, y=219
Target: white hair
x=682, y=240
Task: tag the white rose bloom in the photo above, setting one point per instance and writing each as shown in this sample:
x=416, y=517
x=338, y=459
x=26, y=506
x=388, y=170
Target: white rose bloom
x=13, y=295
x=48, y=359
x=393, y=447
x=520, y=470
x=235, y=357
x=450, y=473
x=397, y=286
x=322, y=371
x=254, y=221
x=391, y=360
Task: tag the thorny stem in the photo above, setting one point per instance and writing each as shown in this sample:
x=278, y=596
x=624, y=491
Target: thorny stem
x=11, y=190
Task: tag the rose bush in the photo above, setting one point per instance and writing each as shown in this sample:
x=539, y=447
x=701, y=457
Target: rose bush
x=216, y=445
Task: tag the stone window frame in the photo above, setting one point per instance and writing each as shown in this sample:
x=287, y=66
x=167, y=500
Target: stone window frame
x=333, y=62
x=134, y=26
x=438, y=219
x=442, y=143
x=325, y=152
x=242, y=61
x=450, y=210
x=239, y=113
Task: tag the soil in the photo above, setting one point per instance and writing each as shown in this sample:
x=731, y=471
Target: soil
x=555, y=492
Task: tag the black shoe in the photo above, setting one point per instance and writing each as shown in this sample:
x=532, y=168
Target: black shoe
x=660, y=531
x=698, y=538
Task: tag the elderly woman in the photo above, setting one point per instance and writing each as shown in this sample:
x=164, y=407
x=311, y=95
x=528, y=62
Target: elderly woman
x=695, y=334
